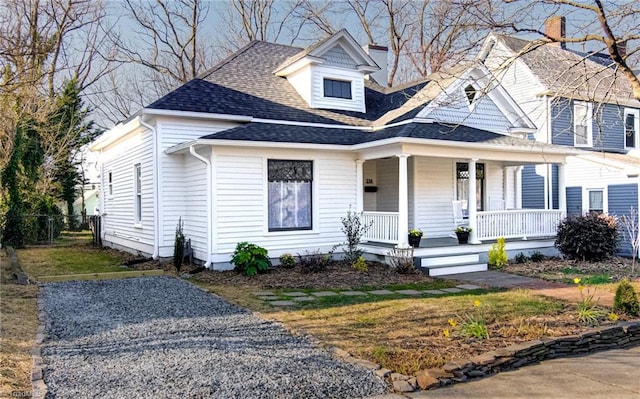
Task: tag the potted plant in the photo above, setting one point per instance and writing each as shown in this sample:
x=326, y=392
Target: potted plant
x=414, y=237
x=463, y=234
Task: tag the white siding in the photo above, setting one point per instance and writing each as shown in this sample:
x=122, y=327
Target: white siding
x=494, y=184
x=580, y=172
x=319, y=73
x=118, y=211
x=369, y=172
x=241, y=200
x=387, y=195
x=434, y=196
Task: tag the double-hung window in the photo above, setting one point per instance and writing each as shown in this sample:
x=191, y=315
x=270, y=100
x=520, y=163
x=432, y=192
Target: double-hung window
x=289, y=186
x=582, y=124
x=110, y=183
x=137, y=189
x=596, y=200
x=631, y=128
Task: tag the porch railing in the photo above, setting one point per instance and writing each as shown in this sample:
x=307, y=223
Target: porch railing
x=518, y=223
x=384, y=226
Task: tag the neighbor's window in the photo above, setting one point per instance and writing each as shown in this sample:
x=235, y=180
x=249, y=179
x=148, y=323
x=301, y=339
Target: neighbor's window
x=337, y=88
x=582, y=121
x=137, y=179
x=110, y=185
x=289, y=194
x=631, y=128
x=462, y=185
x=596, y=201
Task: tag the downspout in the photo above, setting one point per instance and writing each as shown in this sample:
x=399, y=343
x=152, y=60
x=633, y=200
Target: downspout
x=156, y=195
x=207, y=162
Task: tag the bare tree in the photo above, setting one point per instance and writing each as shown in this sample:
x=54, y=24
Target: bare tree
x=631, y=233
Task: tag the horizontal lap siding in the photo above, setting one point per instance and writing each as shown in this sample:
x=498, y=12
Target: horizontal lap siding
x=119, y=220
x=493, y=185
x=196, y=218
x=434, y=196
x=584, y=173
x=574, y=201
x=486, y=114
x=532, y=187
x=623, y=197
x=241, y=200
x=387, y=181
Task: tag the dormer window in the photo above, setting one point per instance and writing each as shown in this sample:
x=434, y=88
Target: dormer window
x=337, y=88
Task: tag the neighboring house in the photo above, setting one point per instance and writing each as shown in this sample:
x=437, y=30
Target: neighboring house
x=577, y=100
x=276, y=143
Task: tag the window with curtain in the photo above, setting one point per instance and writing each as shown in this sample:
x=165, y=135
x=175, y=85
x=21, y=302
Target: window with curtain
x=289, y=186
x=462, y=185
x=596, y=201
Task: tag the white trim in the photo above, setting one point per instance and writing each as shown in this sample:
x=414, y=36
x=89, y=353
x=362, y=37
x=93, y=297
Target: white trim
x=589, y=122
x=198, y=115
x=636, y=140
x=585, y=198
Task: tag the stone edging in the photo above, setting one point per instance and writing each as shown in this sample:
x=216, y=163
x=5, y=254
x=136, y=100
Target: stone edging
x=623, y=335
x=38, y=386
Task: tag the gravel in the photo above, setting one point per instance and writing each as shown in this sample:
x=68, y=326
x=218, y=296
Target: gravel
x=160, y=337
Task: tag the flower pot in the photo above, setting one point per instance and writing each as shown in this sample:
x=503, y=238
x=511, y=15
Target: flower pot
x=414, y=241
x=463, y=237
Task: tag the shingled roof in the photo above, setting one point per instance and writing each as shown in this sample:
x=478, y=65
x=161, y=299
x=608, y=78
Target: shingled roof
x=571, y=74
x=244, y=84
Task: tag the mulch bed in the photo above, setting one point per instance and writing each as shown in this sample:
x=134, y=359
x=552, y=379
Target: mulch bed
x=555, y=269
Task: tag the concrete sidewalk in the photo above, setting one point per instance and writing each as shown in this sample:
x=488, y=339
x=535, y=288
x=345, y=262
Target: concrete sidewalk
x=607, y=374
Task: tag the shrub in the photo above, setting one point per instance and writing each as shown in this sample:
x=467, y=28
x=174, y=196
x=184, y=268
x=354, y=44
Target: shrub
x=497, y=254
x=353, y=229
x=401, y=260
x=537, y=256
x=626, y=299
x=591, y=237
x=588, y=312
x=520, y=258
x=360, y=265
x=287, y=261
x=250, y=259
x=314, y=261
x=178, y=246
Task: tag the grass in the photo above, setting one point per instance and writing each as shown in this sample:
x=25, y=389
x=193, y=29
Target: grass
x=18, y=326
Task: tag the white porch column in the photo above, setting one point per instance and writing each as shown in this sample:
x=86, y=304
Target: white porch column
x=472, y=202
x=359, y=186
x=518, y=184
x=562, y=188
x=403, y=201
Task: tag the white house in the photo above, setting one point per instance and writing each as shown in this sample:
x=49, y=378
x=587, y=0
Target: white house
x=275, y=143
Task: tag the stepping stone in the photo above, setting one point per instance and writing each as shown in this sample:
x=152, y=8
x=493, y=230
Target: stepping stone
x=380, y=292
x=452, y=290
x=304, y=298
x=468, y=287
x=408, y=292
x=433, y=292
x=294, y=293
x=282, y=303
x=269, y=298
x=323, y=293
x=352, y=293
x=263, y=293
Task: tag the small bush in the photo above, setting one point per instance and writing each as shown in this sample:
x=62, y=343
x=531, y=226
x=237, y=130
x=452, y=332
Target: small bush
x=537, y=257
x=287, y=261
x=498, y=255
x=314, y=261
x=520, y=258
x=591, y=237
x=597, y=279
x=626, y=299
x=401, y=260
x=178, y=246
x=354, y=229
x=360, y=265
x=250, y=259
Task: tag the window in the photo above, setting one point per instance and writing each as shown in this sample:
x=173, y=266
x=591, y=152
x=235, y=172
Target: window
x=462, y=185
x=582, y=124
x=337, y=88
x=110, y=185
x=631, y=128
x=471, y=93
x=137, y=180
x=289, y=186
x=596, y=201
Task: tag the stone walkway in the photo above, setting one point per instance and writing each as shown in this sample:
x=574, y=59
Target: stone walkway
x=292, y=298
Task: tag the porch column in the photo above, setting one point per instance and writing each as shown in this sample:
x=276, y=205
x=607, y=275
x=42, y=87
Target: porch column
x=518, y=184
x=359, y=186
x=562, y=188
x=403, y=201
x=472, y=203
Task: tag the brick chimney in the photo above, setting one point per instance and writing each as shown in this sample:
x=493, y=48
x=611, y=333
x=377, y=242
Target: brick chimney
x=555, y=28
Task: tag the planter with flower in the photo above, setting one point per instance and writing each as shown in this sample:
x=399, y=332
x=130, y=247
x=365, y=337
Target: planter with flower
x=414, y=237
x=463, y=234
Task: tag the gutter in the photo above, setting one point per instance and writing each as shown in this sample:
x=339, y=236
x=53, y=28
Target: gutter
x=156, y=213
x=207, y=162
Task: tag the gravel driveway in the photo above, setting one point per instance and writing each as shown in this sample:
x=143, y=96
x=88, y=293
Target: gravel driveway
x=160, y=337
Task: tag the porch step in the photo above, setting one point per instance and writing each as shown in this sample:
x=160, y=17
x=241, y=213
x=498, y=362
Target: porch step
x=445, y=270
x=444, y=260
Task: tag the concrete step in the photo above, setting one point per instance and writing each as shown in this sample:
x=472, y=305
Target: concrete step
x=455, y=269
x=443, y=260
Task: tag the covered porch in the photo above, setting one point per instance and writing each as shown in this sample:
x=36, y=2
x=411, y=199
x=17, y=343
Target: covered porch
x=419, y=189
